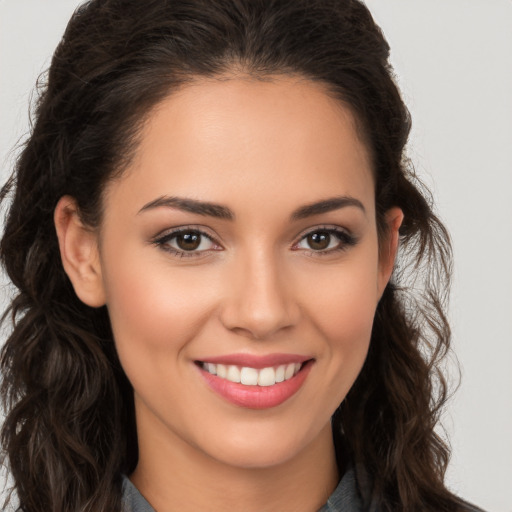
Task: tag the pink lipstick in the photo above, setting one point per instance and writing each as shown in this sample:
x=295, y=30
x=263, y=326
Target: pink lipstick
x=255, y=382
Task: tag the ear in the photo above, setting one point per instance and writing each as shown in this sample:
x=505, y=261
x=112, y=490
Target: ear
x=79, y=253
x=389, y=247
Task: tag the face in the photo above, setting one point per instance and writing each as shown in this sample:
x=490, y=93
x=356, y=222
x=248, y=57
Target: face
x=241, y=244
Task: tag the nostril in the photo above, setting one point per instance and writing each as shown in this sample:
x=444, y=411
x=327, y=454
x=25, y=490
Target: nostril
x=257, y=323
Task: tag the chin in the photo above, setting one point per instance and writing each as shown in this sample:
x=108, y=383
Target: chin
x=256, y=457
x=263, y=448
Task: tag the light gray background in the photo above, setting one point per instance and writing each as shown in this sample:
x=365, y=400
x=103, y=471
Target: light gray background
x=454, y=64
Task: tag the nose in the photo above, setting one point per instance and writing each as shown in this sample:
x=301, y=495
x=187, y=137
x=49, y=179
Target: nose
x=260, y=301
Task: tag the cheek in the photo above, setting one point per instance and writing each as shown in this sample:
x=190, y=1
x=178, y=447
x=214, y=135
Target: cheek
x=345, y=302
x=343, y=310
x=154, y=311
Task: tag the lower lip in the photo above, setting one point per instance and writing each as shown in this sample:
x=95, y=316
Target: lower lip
x=257, y=397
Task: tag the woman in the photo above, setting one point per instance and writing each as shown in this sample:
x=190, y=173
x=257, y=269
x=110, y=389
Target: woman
x=203, y=234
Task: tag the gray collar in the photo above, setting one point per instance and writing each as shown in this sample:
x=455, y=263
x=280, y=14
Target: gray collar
x=345, y=497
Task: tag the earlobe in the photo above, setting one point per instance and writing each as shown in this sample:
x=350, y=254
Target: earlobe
x=79, y=253
x=389, y=247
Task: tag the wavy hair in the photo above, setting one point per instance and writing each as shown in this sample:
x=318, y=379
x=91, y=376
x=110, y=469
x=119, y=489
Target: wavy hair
x=69, y=432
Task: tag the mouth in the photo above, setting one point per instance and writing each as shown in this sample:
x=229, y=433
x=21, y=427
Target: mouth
x=260, y=386
x=248, y=376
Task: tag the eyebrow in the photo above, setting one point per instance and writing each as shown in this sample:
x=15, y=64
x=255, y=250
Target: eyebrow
x=192, y=206
x=326, y=205
x=223, y=212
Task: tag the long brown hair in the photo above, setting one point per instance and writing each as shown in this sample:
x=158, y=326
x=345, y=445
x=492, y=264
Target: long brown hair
x=69, y=433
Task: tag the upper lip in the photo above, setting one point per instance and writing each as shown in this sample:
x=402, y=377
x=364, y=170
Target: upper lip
x=256, y=361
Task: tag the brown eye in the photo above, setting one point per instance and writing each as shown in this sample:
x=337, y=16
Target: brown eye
x=326, y=241
x=319, y=241
x=188, y=241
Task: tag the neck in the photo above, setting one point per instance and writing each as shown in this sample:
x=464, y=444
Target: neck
x=173, y=475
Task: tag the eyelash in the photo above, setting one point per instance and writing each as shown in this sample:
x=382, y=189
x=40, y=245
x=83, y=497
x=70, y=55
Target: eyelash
x=346, y=240
x=163, y=241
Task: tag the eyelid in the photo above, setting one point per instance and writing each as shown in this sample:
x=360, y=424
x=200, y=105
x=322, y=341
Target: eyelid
x=332, y=228
x=164, y=236
x=183, y=229
x=346, y=237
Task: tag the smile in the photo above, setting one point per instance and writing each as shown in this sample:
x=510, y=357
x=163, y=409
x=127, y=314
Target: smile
x=255, y=383
x=252, y=376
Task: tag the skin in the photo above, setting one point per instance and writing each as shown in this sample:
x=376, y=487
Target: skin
x=263, y=150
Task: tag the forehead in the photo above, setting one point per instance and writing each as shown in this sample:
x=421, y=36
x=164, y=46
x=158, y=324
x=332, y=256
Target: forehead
x=285, y=139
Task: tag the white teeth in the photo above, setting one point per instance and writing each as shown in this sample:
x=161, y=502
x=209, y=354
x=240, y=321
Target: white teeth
x=251, y=376
x=267, y=377
x=290, y=369
x=233, y=374
x=222, y=371
x=280, y=373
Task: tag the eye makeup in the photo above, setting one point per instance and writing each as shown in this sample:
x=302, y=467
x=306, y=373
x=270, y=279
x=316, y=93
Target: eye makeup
x=325, y=241
x=191, y=241
x=186, y=242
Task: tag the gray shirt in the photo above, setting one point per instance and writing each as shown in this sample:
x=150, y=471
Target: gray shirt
x=345, y=497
